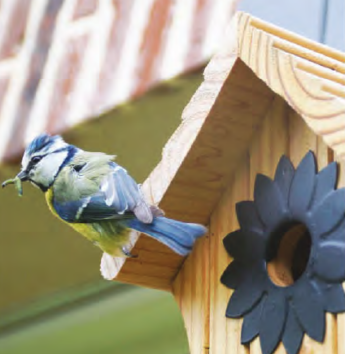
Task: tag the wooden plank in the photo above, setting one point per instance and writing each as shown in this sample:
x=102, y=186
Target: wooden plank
x=191, y=291
x=330, y=343
x=265, y=152
x=225, y=333
x=273, y=146
x=321, y=71
x=302, y=139
x=219, y=295
x=200, y=298
x=276, y=13
x=303, y=42
x=260, y=162
x=240, y=192
x=182, y=290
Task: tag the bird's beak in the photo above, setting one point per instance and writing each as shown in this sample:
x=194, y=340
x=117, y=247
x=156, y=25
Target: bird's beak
x=23, y=176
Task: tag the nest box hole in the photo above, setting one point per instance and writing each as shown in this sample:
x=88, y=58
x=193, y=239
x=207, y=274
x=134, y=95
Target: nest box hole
x=289, y=250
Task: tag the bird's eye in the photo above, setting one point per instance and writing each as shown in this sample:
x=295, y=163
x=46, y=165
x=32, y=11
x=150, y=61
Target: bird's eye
x=36, y=159
x=78, y=168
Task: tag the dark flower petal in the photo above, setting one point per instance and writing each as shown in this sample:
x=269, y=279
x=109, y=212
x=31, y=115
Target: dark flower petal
x=293, y=333
x=338, y=234
x=248, y=217
x=251, y=323
x=247, y=295
x=245, y=245
x=302, y=185
x=272, y=321
x=234, y=274
x=268, y=200
x=333, y=296
x=329, y=261
x=325, y=182
x=283, y=176
x=328, y=213
x=307, y=304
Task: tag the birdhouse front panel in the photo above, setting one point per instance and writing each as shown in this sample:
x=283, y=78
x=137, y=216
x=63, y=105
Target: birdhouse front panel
x=203, y=300
x=247, y=135
x=259, y=159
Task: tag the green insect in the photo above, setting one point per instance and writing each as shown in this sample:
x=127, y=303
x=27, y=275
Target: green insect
x=17, y=184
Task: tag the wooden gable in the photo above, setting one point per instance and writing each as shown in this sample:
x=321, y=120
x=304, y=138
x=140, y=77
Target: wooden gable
x=257, y=65
x=266, y=93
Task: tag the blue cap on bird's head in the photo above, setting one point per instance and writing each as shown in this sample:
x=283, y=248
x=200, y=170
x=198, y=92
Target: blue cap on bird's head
x=43, y=144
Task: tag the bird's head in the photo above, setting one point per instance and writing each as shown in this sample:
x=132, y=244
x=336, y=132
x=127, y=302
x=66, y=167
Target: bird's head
x=43, y=159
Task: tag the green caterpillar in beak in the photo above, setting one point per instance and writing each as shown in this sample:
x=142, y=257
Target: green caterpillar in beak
x=17, y=184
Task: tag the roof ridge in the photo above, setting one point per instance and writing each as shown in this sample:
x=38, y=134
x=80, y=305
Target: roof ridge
x=296, y=39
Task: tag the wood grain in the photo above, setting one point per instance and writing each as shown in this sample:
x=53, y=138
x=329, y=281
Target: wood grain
x=265, y=152
x=197, y=165
x=302, y=139
x=283, y=131
x=192, y=293
x=294, y=138
x=225, y=333
x=298, y=40
x=266, y=93
x=309, y=76
x=255, y=64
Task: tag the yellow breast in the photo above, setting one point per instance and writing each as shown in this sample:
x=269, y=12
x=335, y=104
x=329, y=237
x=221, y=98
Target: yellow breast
x=49, y=199
x=84, y=229
x=111, y=243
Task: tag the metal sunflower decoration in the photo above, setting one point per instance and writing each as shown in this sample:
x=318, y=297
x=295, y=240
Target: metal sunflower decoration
x=300, y=197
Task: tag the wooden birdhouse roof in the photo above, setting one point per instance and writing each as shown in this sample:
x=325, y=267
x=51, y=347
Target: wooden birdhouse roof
x=257, y=64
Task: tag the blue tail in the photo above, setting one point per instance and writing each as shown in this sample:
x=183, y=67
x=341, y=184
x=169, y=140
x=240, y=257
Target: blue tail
x=177, y=235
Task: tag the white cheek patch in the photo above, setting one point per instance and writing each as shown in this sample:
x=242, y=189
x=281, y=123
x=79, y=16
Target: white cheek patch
x=58, y=144
x=48, y=167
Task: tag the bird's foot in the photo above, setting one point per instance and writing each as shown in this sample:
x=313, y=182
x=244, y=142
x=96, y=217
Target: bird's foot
x=128, y=253
x=156, y=211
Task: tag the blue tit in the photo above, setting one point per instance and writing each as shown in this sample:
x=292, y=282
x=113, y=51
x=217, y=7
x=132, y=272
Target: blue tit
x=97, y=197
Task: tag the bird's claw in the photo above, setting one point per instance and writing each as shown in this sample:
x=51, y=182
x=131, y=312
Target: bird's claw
x=128, y=253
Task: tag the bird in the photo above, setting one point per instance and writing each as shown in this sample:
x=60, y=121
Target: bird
x=98, y=198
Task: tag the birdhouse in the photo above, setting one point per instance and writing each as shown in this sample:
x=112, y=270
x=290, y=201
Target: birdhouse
x=260, y=159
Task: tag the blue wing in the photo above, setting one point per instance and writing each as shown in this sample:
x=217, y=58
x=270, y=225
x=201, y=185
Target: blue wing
x=88, y=210
x=119, y=197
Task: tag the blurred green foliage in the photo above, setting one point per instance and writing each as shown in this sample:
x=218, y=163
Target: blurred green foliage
x=39, y=255
x=139, y=321
x=47, y=270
